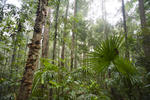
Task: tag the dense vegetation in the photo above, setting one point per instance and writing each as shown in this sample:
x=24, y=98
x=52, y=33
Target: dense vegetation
x=51, y=50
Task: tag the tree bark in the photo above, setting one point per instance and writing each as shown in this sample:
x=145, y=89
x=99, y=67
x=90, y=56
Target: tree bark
x=73, y=35
x=64, y=35
x=125, y=31
x=33, y=56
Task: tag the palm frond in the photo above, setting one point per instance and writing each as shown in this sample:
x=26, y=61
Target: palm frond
x=125, y=66
x=105, y=52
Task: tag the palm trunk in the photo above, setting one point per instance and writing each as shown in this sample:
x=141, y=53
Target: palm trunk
x=33, y=56
x=64, y=35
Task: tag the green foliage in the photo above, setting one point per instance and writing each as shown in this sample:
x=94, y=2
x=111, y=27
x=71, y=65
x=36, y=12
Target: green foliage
x=107, y=53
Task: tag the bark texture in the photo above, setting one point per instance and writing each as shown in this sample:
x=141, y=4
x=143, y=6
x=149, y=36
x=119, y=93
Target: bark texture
x=33, y=56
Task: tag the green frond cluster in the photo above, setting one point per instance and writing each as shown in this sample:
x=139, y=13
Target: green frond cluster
x=107, y=52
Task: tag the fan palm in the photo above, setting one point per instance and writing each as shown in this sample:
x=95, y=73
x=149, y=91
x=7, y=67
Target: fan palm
x=107, y=52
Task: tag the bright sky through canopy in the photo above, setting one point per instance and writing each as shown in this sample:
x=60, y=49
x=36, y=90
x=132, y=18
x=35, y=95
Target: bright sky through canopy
x=113, y=9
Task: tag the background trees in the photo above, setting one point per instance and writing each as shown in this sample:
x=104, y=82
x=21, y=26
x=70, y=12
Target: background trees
x=80, y=58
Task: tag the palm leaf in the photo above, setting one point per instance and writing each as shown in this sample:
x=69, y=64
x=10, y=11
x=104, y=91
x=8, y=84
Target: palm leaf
x=125, y=66
x=105, y=52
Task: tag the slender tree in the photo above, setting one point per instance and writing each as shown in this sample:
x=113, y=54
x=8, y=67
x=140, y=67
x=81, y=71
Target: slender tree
x=56, y=29
x=126, y=46
x=64, y=35
x=54, y=43
x=142, y=13
x=73, y=35
x=125, y=30
x=45, y=42
x=34, y=47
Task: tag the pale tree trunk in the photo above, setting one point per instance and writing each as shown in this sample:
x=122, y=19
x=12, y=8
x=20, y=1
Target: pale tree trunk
x=64, y=35
x=125, y=30
x=45, y=42
x=33, y=56
x=146, y=35
x=50, y=97
x=73, y=35
x=126, y=42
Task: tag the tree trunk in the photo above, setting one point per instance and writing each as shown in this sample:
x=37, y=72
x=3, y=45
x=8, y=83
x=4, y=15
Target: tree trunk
x=54, y=45
x=142, y=13
x=33, y=56
x=125, y=31
x=146, y=35
x=45, y=42
x=73, y=35
x=56, y=28
x=76, y=46
x=64, y=35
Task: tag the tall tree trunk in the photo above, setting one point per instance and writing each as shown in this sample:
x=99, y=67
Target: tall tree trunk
x=125, y=30
x=13, y=58
x=64, y=35
x=56, y=29
x=126, y=42
x=76, y=46
x=142, y=13
x=45, y=42
x=54, y=44
x=33, y=56
x=73, y=35
x=146, y=35
x=15, y=37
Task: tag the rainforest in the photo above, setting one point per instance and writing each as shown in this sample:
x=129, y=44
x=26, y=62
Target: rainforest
x=74, y=49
